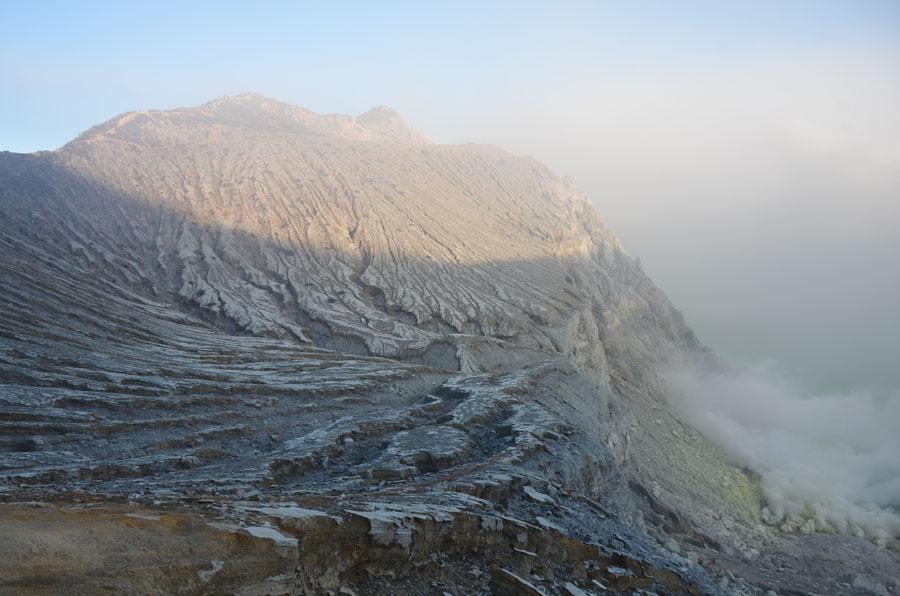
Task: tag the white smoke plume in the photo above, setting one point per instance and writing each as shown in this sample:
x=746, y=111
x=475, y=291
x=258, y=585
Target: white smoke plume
x=827, y=462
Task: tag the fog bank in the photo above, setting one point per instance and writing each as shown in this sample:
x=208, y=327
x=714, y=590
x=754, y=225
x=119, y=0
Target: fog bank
x=828, y=462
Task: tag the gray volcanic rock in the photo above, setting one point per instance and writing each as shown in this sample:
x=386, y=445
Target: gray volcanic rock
x=374, y=363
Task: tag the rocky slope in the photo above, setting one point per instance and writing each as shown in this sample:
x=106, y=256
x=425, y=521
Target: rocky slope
x=363, y=361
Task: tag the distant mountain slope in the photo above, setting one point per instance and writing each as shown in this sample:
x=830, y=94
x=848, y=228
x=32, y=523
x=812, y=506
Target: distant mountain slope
x=272, y=219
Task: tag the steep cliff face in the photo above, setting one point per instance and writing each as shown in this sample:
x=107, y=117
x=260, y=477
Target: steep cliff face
x=331, y=229
x=250, y=304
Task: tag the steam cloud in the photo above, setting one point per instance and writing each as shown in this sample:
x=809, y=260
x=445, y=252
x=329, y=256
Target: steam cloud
x=827, y=462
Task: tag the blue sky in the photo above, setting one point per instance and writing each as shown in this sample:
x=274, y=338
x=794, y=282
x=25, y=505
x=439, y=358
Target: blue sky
x=65, y=66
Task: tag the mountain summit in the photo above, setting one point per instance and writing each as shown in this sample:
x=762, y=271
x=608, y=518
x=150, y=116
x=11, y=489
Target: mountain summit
x=284, y=352
x=251, y=112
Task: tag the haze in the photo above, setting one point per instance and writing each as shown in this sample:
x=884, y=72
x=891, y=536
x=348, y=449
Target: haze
x=749, y=154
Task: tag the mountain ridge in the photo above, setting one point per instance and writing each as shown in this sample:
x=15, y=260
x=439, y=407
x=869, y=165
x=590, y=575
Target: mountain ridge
x=256, y=112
